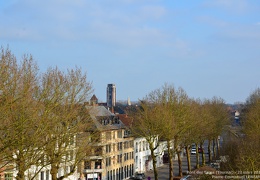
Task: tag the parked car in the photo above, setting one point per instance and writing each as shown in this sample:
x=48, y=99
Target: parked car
x=193, y=151
x=200, y=149
x=141, y=174
x=138, y=176
x=134, y=177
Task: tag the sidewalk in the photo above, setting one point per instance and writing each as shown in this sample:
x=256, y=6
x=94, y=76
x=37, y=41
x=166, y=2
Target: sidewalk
x=163, y=173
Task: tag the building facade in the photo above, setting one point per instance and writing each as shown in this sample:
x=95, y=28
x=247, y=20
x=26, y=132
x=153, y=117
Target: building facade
x=114, y=157
x=142, y=153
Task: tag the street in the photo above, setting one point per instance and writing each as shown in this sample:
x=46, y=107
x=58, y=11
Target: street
x=163, y=171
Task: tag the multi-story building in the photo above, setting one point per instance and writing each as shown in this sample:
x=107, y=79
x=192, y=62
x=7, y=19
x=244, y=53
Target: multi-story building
x=143, y=159
x=113, y=158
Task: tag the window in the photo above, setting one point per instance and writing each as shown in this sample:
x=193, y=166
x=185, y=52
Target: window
x=42, y=175
x=98, y=164
x=127, y=133
x=114, y=160
x=119, y=146
x=114, y=134
x=108, y=161
x=108, y=148
x=126, y=156
x=8, y=176
x=131, y=144
x=119, y=158
x=126, y=145
x=87, y=164
x=119, y=134
x=47, y=175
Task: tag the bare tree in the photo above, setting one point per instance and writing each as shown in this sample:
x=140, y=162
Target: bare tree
x=181, y=113
x=193, y=129
x=164, y=99
x=248, y=152
x=242, y=146
x=219, y=118
x=169, y=111
x=67, y=141
x=174, y=115
x=19, y=114
x=43, y=119
x=146, y=124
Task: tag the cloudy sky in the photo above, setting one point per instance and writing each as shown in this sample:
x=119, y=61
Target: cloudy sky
x=207, y=47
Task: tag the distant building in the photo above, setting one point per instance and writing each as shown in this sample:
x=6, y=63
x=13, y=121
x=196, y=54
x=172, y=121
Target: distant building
x=237, y=114
x=237, y=119
x=94, y=100
x=128, y=102
x=111, y=95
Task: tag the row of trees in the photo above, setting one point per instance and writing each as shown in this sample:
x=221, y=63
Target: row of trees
x=169, y=114
x=41, y=114
x=243, y=147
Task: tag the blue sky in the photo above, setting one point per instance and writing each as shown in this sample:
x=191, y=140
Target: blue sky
x=207, y=47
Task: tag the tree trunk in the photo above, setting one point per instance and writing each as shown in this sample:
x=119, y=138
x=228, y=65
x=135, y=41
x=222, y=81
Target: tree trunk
x=170, y=160
x=218, y=147
x=154, y=165
x=20, y=174
x=202, y=155
x=203, y=159
x=179, y=162
x=187, y=149
x=197, y=157
x=54, y=171
x=214, y=149
x=21, y=168
x=209, y=151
